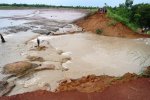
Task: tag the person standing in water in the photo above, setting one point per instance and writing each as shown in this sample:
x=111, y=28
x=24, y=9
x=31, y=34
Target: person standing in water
x=38, y=42
x=2, y=38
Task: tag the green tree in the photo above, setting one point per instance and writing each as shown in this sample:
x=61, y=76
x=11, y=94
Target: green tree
x=141, y=14
x=128, y=3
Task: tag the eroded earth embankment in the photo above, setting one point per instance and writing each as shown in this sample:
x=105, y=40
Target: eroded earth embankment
x=108, y=26
x=128, y=88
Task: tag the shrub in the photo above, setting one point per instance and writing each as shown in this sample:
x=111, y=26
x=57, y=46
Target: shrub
x=148, y=32
x=99, y=31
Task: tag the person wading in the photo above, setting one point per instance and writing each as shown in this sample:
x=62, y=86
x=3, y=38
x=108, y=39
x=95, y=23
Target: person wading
x=2, y=38
x=38, y=42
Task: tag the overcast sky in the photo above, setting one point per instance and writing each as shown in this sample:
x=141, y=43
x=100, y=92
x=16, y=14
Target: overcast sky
x=74, y=2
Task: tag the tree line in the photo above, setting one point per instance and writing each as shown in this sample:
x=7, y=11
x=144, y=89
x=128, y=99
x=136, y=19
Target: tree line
x=133, y=15
x=44, y=6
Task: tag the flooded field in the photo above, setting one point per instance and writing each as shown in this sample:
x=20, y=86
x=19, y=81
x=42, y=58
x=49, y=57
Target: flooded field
x=65, y=49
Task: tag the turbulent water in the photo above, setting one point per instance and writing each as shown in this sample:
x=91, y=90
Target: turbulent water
x=92, y=53
x=18, y=26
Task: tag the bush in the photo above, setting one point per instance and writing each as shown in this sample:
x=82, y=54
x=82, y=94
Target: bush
x=99, y=31
x=141, y=14
x=148, y=32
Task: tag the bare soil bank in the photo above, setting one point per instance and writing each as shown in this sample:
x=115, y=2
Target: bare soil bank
x=94, y=83
x=137, y=89
x=108, y=27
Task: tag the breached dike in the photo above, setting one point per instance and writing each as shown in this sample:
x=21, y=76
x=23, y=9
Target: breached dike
x=77, y=55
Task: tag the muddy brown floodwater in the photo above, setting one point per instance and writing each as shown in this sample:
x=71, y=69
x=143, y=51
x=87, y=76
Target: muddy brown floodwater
x=18, y=28
x=103, y=55
x=71, y=55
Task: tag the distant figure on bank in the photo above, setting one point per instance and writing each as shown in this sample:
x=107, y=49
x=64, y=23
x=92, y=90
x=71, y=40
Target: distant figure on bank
x=2, y=38
x=38, y=42
x=102, y=10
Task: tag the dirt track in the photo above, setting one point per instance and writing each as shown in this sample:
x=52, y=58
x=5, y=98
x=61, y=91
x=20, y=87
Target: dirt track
x=138, y=89
x=108, y=26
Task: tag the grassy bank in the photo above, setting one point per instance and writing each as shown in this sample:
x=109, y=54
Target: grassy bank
x=125, y=21
x=135, y=16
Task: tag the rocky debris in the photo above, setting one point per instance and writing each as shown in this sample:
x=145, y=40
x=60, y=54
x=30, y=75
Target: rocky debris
x=6, y=87
x=44, y=86
x=65, y=69
x=65, y=59
x=43, y=31
x=50, y=28
x=68, y=29
x=16, y=29
x=18, y=67
x=46, y=22
x=65, y=66
x=46, y=26
x=40, y=48
x=94, y=83
x=28, y=82
x=59, y=52
x=68, y=26
x=35, y=58
x=66, y=56
x=146, y=72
